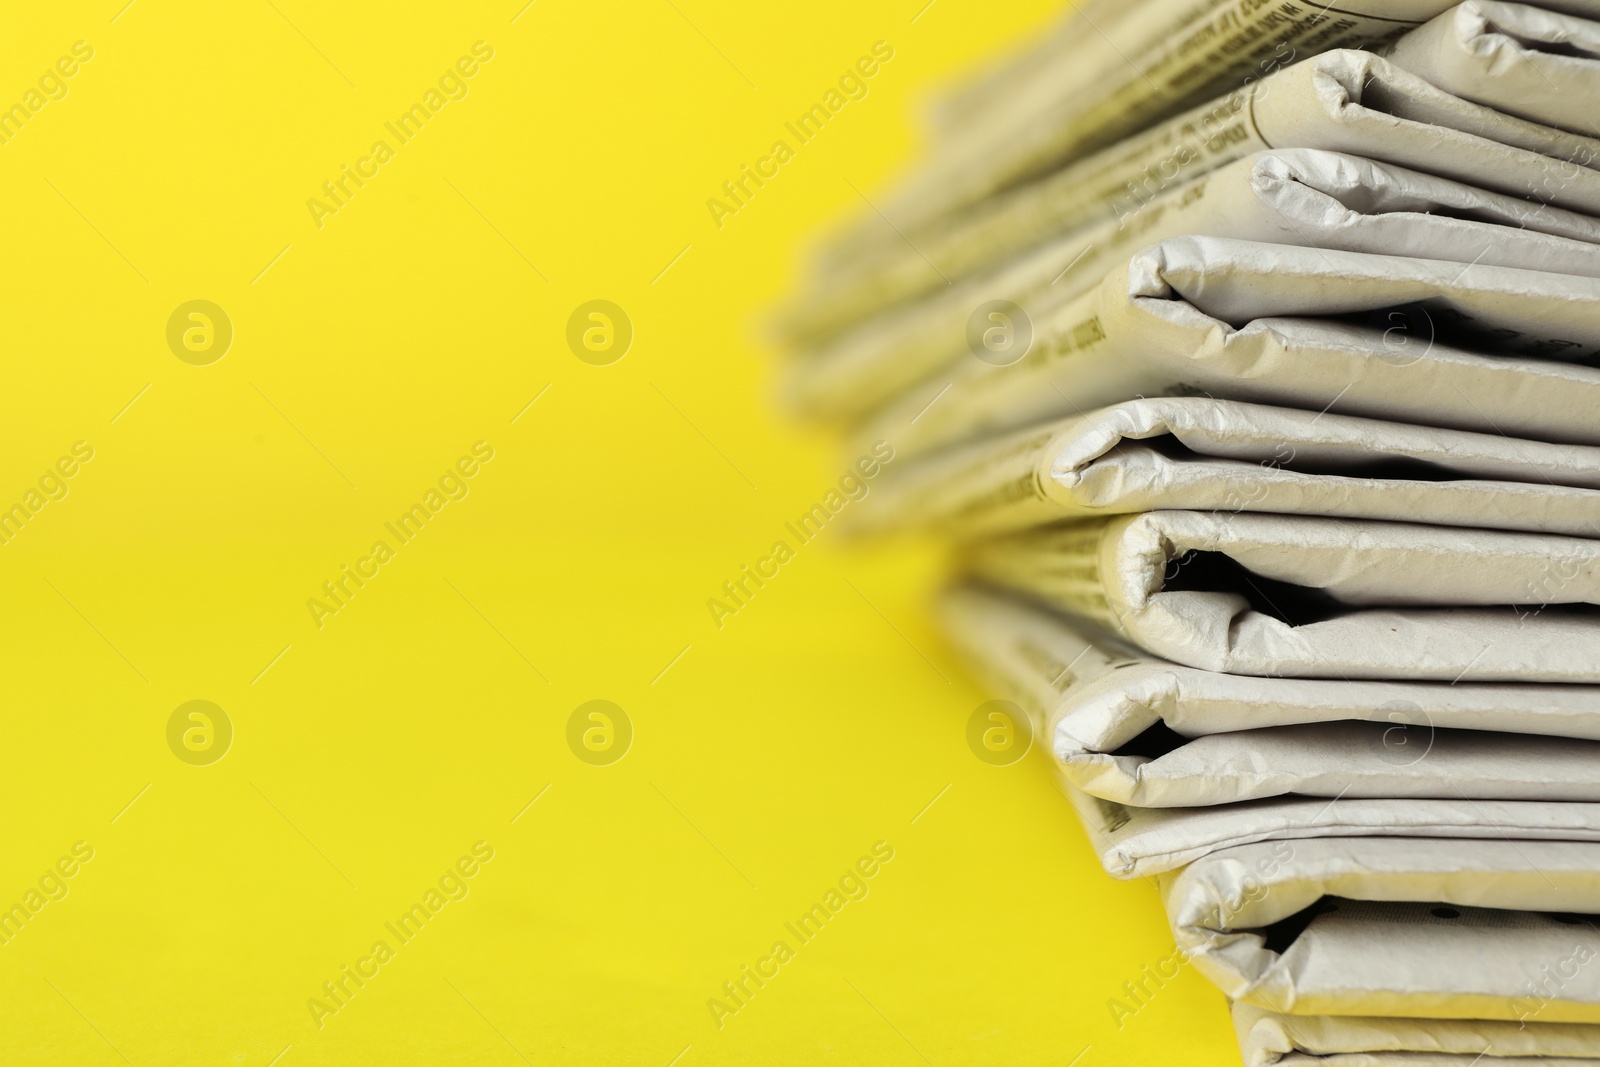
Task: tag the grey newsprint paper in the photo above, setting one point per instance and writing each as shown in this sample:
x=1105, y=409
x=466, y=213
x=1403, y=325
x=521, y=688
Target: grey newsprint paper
x=1344, y=101
x=1408, y=927
x=1136, y=842
x=1305, y=197
x=1500, y=350
x=1299, y=597
x=1273, y=1039
x=1201, y=454
x=1128, y=728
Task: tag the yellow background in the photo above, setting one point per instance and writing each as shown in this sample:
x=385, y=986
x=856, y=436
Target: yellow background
x=373, y=752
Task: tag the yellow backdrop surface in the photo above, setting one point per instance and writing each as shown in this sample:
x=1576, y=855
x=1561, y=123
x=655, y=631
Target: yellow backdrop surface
x=190, y=475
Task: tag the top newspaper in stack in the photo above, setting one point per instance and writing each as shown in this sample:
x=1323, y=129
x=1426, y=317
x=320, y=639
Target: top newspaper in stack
x=1081, y=90
x=1301, y=197
x=1087, y=94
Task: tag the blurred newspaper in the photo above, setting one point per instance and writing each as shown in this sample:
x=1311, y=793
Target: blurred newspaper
x=1353, y=102
x=1115, y=67
x=1302, y=197
x=1390, y=337
x=1195, y=453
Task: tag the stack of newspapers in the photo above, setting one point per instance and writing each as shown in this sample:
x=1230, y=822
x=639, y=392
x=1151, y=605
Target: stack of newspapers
x=1248, y=349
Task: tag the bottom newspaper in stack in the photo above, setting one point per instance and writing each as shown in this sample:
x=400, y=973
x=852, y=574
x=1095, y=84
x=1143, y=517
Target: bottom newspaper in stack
x=1372, y=870
x=1272, y=1039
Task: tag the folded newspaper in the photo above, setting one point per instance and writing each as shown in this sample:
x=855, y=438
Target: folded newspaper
x=1293, y=197
x=1521, y=60
x=1199, y=454
x=1081, y=88
x=1115, y=67
x=1133, y=842
x=1493, y=349
x=1289, y=596
x=1399, y=758
x=1430, y=929
x=1273, y=1039
x=1352, y=102
x=1127, y=728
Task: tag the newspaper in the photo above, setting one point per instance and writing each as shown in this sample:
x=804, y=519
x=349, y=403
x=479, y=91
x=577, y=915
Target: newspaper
x=1090, y=691
x=1343, y=101
x=1114, y=69
x=1195, y=453
x=1127, y=728
x=1522, y=60
x=1345, y=760
x=1273, y=1039
x=1486, y=929
x=1347, y=332
x=1136, y=842
x=1288, y=196
x=1299, y=597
